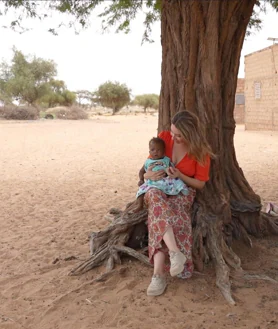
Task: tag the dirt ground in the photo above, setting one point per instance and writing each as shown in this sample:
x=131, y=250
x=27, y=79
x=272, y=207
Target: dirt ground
x=58, y=180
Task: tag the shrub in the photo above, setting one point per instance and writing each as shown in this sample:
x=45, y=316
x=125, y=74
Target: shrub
x=72, y=113
x=19, y=113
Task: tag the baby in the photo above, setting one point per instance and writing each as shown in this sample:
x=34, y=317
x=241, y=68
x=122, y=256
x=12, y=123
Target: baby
x=157, y=158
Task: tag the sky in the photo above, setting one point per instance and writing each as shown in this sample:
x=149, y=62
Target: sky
x=86, y=60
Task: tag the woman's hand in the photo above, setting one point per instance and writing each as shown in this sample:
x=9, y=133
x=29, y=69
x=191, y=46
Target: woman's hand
x=154, y=175
x=190, y=181
x=173, y=172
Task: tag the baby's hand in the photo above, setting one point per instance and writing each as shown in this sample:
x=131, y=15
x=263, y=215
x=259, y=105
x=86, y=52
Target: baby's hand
x=173, y=172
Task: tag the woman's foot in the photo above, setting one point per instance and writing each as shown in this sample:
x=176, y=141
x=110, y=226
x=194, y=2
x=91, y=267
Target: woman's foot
x=177, y=260
x=157, y=285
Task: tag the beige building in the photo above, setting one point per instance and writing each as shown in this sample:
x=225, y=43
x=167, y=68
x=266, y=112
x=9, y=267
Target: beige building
x=261, y=89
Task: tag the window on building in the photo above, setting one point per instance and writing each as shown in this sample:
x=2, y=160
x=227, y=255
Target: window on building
x=240, y=99
x=257, y=89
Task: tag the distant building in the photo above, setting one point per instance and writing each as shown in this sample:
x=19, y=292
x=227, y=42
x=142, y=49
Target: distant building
x=261, y=89
x=239, y=102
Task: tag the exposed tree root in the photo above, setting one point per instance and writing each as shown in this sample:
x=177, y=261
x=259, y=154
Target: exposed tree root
x=249, y=276
x=215, y=244
x=107, y=244
x=210, y=242
x=133, y=253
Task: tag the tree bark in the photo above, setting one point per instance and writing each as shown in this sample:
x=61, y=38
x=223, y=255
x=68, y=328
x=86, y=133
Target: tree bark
x=201, y=46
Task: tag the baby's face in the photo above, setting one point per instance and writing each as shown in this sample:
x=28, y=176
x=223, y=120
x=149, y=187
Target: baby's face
x=156, y=151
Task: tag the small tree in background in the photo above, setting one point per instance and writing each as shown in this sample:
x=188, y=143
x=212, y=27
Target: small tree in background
x=31, y=81
x=84, y=97
x=56, y=93
x=25, y=79
x=113, y=95
x=146, y=101
x=5, y=95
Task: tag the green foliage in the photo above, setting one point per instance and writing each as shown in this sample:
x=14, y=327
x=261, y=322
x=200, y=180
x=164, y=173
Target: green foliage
x=122, y=12
x=255, y=22
x=117, y=13
x=56, y=93
x=147, y=100
x=5, y=74
x=274, y=4
x=32, y=81
x=113, y=95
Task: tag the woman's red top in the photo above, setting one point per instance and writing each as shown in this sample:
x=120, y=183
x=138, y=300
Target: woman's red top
x=188, y=165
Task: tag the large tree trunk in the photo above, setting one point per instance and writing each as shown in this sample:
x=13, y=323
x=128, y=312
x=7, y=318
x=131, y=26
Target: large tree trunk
x=201, y=45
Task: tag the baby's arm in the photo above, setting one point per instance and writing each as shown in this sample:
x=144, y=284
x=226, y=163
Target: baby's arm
x=141, y=176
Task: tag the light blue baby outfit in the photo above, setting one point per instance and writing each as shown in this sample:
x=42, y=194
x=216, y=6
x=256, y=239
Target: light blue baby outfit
x=170, y=186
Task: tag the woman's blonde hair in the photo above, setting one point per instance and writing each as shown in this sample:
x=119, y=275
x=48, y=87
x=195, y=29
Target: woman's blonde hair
x=194, y=134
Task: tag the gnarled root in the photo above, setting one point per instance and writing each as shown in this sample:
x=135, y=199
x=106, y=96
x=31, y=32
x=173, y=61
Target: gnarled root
x=107, y=244
x=215, y=243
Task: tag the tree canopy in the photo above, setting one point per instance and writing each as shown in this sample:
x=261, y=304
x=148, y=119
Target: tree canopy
x=31, y=81
x=113, y=95
x=147, y=101
x=117, y=13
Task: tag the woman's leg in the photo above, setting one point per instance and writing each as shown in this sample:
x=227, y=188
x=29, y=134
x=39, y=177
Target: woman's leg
x=168, y=221
x=159, y=263
x=158, y=282
x=170, y=241
x=177, y=258
x=155, y=200
x=181, y=205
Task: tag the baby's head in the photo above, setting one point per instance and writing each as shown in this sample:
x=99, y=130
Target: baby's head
x=156, y=148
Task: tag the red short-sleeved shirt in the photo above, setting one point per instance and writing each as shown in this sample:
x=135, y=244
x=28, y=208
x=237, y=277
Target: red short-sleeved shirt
x=187, y=166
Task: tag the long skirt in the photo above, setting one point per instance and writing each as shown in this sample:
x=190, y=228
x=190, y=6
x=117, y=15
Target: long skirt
x=174, y=211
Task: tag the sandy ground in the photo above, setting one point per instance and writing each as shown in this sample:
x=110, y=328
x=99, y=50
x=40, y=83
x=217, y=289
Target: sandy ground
x=58, y=180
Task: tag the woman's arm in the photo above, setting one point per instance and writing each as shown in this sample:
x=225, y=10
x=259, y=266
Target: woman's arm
x=192, y=182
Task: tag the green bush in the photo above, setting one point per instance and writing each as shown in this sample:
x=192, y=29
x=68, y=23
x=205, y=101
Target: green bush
x=19, y=113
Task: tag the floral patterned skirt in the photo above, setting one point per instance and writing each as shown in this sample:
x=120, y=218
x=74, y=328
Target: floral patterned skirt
x=174, y=211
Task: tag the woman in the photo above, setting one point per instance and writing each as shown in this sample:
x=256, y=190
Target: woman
x=169, y=222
